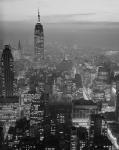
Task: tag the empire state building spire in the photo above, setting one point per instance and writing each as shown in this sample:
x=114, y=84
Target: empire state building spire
x=39, y=39
x=38, y=16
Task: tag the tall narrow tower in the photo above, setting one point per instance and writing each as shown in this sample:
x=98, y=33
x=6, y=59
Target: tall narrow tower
x=19, y=45
x=39, y=40
x=7, y=72
x=117, y=98
x=19, y=49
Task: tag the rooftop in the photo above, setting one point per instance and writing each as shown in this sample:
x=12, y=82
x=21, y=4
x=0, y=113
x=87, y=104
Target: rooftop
x=65, y=65
x=82, y=101
x=102, y=69
x=99, y=140
x=39, y=27
x=14, y=99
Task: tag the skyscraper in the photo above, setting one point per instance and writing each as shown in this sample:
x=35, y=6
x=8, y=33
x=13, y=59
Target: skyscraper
x=19, y=45
x=117, y=98
x=39, y=40
x=39, y=116
x=7, y=72
x=17, y=53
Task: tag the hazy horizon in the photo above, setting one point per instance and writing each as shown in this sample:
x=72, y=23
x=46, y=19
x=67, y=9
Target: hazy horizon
x=73, y=23
x=103, y=35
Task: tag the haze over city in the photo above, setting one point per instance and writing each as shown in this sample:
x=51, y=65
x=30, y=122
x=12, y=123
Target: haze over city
x=19, y=16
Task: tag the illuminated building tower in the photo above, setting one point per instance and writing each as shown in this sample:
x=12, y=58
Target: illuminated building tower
x=74, y=139
x=39, y=116
x=39, y=40
x=117, y=99
x=7, y=73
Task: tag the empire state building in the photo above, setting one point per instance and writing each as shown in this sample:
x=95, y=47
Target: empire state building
x=39, y=40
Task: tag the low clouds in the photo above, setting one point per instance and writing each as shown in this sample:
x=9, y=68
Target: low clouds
x=85, y=14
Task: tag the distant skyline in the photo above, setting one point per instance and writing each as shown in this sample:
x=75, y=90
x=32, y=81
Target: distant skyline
x=60, y=10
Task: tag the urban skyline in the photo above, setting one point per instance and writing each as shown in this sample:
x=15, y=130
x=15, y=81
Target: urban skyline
x=59, y=97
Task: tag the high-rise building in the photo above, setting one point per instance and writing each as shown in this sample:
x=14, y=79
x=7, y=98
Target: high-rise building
x=98, y=129
x=39, y=40
x=39, y=116
x=81, y=111
x=61, y=121
x=117, y=99
x=7, y=73
x=103, y=73
x=17, y=53
x=74, y=138
x=19, y=45
x=95, y=125
x=20, y=49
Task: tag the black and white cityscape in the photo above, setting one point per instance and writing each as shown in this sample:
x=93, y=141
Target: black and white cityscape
x=59, y=82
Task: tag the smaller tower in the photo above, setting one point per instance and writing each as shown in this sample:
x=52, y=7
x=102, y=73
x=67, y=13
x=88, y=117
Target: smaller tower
x=19, y=45
x=19, y=49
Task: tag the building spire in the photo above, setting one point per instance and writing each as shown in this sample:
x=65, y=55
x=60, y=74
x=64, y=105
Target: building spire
x=38, y=16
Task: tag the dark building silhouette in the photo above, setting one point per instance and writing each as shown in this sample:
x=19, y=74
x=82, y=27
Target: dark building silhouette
x=19, y=45
x=0, y=82
x=78, y=80
x=74, y=139
x=39, y=40
x=20, y=48
x=117, y=99
x=61, y=122
x=51, y=143
x=7, y=73
x=101, y=142
x=83, y=142
x=98, y=132
x=95, y=125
